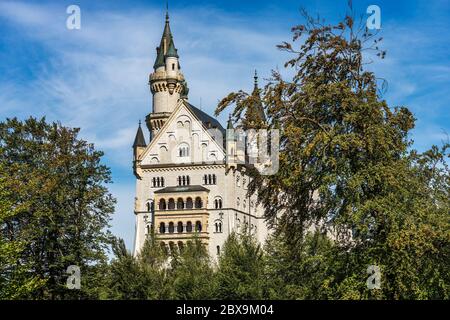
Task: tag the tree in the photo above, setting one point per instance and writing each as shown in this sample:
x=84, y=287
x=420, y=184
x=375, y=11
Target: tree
x=241, y=269
x=15, y=282
x=346, y=170
x=192, y=273
x=145, y=277
x=63, y=208
x=303, y=273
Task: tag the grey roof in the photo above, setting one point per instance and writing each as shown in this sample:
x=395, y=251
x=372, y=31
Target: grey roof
x=172, y=52
x=258, y=106
x=166, y=46
x=182, y=189
x=139, y=141
x=207, y=121
x=159, y=62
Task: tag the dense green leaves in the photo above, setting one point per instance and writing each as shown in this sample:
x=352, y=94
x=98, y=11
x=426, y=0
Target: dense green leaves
x=347, y=171
x=59, y=207
x=241, y=270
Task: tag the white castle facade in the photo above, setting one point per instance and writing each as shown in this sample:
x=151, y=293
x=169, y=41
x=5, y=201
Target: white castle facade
x=188, y=181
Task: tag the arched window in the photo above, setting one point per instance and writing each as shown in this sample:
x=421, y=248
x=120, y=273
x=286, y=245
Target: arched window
x=147, y=228
x=171, y=227
x=162, y=204
x=188, y=182
x=209, y=179
x=183, y=150
x=214, y=179
x=238, y=202
x=184, y=180
x=157, y=182
x=149, y=206
x=218, y=250
x=244, y=204
x=171, y=204
x=180, y=204
x=218, y=203
x=198, y=202
x=163, y=247
x=171, y=246
x=198, y=226
x=189, y=226
x=179, y=180
x=189, y=203
x=154, y=182
x=180, y=246
x=162, y=227
x=205, y=179
x=218, y=226
x=162, y=182
x=180, y=227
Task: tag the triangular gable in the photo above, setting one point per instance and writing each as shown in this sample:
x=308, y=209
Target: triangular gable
x=184, y=139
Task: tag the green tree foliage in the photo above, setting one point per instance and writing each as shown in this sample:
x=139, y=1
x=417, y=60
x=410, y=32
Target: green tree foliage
x=15, y=282
x=60, y=206
x=192, y=273
x=142, y=277
x=347, y=170
x=303, y=273
x=241, y=269
x=157, y=273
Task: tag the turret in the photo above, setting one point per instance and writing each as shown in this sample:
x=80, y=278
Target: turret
x=255, y=117
x=139, y=146
x=167, y=83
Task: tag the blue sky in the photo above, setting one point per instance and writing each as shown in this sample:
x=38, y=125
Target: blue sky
x=96, y=78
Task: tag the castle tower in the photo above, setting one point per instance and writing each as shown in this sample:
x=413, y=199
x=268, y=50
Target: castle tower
x=167, y=83
x=138, y=146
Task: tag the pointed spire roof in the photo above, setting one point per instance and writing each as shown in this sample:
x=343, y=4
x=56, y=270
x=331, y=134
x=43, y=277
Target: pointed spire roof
x=255, y=77
x=166, y=46
x=172, y=52
x=139, y=141
x=255, y=113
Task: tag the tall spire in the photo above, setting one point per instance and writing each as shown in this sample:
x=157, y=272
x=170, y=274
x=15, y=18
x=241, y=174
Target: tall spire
x=167, y=83
x=166, y=43
x=167, y=10
x=255, y=112
x=139, y=140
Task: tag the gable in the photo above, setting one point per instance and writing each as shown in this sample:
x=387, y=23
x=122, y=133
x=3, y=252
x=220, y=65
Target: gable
x=184, y=139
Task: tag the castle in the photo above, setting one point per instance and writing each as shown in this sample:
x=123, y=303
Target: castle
x=188, y=181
